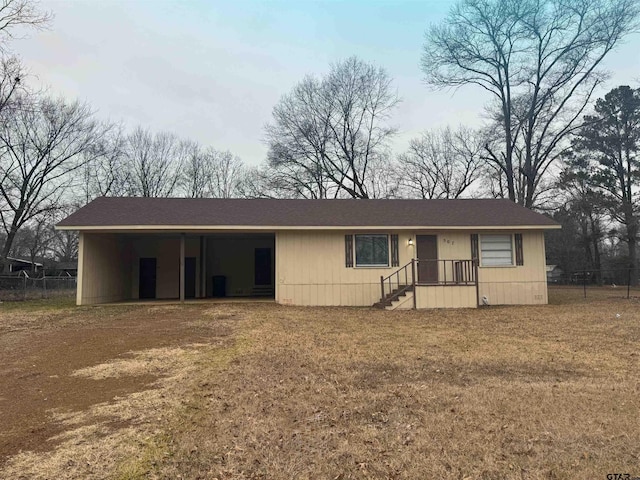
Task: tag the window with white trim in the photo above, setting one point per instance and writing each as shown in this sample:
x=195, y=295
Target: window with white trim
x=496, y=250
x=372, y=250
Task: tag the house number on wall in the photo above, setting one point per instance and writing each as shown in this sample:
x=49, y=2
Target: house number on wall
x=450, y=242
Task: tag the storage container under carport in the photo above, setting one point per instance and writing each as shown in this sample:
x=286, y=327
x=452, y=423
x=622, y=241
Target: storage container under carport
x=219, y=286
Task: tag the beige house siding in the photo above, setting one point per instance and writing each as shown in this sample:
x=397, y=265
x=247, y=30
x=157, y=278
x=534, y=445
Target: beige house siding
x=103, y=268
x=519, y=285
x=441, y=296
x=310, y=270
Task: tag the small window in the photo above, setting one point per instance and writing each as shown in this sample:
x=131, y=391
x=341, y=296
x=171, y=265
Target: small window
x=496, y=250
x=372, y=250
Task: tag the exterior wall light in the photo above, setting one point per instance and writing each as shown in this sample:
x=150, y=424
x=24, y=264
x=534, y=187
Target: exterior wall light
x=410, y=242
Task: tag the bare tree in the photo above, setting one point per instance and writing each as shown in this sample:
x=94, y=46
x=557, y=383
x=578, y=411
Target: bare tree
x=104, y=171
x=154, y=163
x=63, y=244
x=41, y=145
x=19, y=13
x=196, y=172
x=441, y=164
x=538, y=59
x=299, y=140
x=33, y=240
x=269, y=182
x=227, y=171
x=15, y=14
x=328, y=133
x=210, y=173
x=384, y=180
x=11, y=73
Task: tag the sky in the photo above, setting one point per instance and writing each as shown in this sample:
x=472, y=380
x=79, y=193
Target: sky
x=212, y=71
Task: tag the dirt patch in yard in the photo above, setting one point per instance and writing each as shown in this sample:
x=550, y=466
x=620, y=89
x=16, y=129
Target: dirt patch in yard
x=59, y=358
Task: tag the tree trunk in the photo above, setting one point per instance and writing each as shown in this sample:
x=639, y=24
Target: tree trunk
x=596, y=261
x=632, y=260
x=7, y=248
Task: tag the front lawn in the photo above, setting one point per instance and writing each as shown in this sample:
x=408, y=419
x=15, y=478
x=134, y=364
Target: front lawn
x=265, y=391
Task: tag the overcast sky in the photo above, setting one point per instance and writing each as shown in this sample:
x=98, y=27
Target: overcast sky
x=212, y=70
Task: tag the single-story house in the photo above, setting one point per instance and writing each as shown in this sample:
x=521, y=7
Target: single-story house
x=392, y=253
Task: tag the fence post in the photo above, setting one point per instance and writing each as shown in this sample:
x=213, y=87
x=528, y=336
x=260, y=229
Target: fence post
x=44, y=285
x=584, y=283
x=24, y=287
x=629, y=281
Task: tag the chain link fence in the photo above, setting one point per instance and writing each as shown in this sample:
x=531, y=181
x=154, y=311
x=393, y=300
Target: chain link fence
x=24, y=287
x=605, y=283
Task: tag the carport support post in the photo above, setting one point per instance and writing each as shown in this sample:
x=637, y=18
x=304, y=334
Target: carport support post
x=203, y=267
x=182, y=241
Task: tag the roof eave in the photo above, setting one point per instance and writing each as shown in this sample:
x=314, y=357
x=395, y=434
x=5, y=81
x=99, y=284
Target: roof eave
x=271, y=228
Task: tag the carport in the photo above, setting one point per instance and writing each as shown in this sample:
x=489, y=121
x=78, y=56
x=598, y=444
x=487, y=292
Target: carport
x=134, y=265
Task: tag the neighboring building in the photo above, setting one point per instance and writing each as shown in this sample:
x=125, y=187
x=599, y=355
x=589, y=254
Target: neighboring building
x=19, y=265
x=554, y=274
x=62, y=269
x=430, y=253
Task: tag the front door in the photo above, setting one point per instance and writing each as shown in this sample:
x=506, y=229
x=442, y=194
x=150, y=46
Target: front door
x=147, y=284
x=262, y=266
x=427, y=252
x=190, y=277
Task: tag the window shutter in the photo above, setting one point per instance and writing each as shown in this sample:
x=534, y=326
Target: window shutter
x=348, y=251
x=395, y=254
x=519, y=253
x=474, y=246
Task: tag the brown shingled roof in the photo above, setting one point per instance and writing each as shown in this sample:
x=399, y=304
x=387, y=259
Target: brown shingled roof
x=207, y=212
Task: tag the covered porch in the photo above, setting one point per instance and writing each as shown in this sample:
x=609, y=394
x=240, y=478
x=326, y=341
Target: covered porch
x=166, y=266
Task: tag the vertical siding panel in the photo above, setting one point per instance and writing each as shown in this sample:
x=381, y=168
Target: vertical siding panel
x=359, y=291
x=313, y=294
x=449, y=296
x=321, y=294
x=322, y=268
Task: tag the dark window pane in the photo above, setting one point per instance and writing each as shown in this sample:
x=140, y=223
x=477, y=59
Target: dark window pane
x=372, y=250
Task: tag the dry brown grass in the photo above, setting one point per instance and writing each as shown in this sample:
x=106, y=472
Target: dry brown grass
x=523, y=392
x=545, y=392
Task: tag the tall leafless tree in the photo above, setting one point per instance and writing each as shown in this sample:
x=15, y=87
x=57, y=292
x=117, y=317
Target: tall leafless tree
x=105, y=172
x=441, y=164
x=227, y=171
x=539, y=61
x=210, y=173
x=265, y=181
x=15, y=15
x=154, y=163
x=196, y=172
x=384, y=180
x=41, y=144
x=328, y=133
